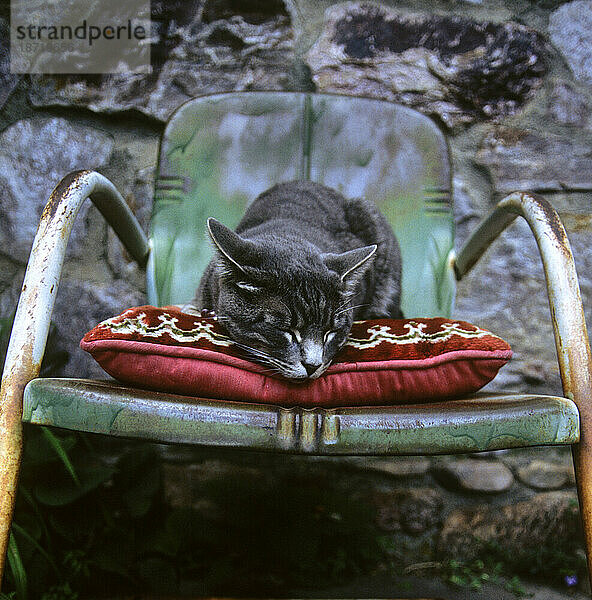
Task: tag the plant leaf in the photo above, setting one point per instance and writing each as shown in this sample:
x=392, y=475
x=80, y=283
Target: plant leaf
x=59, y=492
x=59, y=450
x=17, y=569
x=21, y=531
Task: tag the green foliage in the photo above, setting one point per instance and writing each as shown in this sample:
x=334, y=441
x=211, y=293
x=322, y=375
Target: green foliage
x=474, y=574
x=17, y=569
x=60, y=592
x=84, y=526
x=61, y=452
x=75, y=517
x=555, y=565
x=551, y=563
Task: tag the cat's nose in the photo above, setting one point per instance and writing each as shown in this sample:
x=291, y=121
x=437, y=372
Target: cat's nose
x=312, y=355
x=310, y=367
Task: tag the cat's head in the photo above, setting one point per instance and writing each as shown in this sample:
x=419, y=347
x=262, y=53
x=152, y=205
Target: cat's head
x=288, y=305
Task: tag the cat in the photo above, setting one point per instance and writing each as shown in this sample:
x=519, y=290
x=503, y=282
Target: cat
x=303, y=263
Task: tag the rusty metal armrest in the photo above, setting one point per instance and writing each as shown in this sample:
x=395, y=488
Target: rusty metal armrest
x=569, y=325
x=31, y=323
x=567, y=314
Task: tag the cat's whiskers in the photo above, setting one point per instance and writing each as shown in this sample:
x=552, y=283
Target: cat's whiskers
x=346, y=308
x=267, y=358
x=270, y=370
x=347, y=300
x=212, y=317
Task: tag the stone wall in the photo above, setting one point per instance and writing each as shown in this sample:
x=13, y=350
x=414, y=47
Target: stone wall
x=508, y=81
x=517, y=508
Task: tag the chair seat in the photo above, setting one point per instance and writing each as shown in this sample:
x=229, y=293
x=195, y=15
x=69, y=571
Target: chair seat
x=477, y=423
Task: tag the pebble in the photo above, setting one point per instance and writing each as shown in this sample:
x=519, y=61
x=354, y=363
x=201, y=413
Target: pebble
x=543, y=475
x=400, y=466
x=470, y=475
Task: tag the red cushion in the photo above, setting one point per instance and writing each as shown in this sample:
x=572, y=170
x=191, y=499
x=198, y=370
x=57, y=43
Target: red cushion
x=386, y=361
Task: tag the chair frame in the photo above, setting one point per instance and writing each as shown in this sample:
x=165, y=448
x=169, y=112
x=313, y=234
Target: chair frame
x=31, y=323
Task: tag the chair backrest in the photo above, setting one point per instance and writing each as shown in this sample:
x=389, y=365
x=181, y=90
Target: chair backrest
x=219, y=152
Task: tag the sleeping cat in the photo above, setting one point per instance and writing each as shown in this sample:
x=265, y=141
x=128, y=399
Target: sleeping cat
x=303, y=263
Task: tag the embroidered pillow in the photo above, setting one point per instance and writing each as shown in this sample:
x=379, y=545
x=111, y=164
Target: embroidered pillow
x=385, y=361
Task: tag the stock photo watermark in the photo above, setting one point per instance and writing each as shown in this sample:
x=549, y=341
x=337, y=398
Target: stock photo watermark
x=69, y=36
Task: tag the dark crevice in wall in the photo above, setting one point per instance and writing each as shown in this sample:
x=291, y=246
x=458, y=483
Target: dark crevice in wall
x=223, y=37
x=252, y=11
x=131, y=119
x=167, y=16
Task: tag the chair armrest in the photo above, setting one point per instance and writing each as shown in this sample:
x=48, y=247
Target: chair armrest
x=569, y=325
x=33, y=314
x=567, y=314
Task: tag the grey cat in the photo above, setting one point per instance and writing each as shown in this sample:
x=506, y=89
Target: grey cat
x=303, y=264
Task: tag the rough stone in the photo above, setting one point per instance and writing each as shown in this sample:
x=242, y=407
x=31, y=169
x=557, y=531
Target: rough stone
x=198, y=48
x=506, y=289
x=506, y=293
x=470, y=475
x=543, y=475
x=466, y=214
x=570, y=30
x=192, y=477
x=139, y=199
x=567, y=106
x=189, y=485
x=413, y=511
x=580, y=233
x=80, y=305
x=548, y=520
x=523, y=159
x=34, y=155
x=451, y=67
x=8, y=80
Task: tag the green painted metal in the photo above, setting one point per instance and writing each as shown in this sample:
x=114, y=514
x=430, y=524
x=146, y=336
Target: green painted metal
x=397, y=157
x=219, y=152
x=484, y=422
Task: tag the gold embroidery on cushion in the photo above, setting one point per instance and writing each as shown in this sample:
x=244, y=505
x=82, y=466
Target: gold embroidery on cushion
x=415, y=333
x=168, y=326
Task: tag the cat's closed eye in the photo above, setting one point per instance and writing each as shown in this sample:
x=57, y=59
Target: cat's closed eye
x=248, y=287
x=294, y=335
x=329, y=335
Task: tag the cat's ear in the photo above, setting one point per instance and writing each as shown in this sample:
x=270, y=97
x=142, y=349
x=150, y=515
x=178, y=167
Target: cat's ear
x=230, y=244
x=352, y=264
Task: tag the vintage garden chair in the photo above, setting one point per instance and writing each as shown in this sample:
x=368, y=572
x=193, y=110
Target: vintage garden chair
x=218, y=152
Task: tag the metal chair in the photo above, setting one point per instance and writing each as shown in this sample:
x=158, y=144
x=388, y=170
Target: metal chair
x=218, y=152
